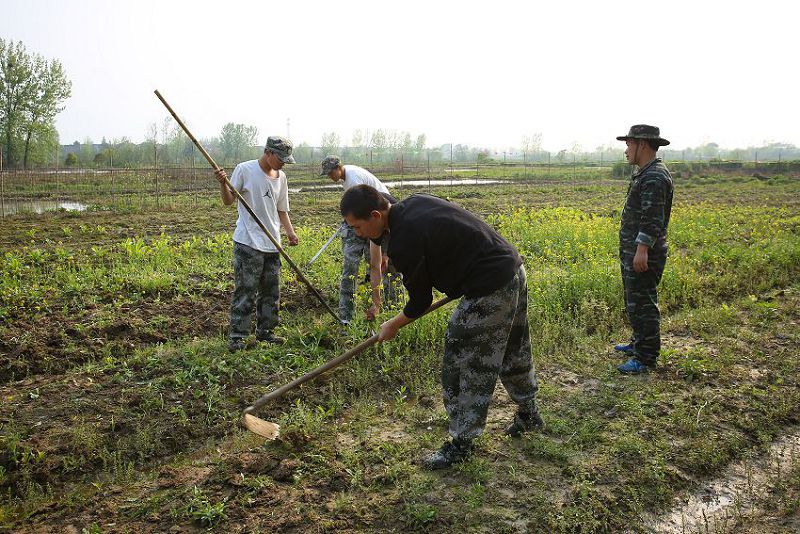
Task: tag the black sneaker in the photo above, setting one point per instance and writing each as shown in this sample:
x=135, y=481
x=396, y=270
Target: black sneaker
x=452, y=452
x=270, y=337
x=523, y=422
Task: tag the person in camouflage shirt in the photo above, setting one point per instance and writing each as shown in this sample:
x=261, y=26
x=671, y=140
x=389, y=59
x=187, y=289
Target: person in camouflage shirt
x=643, y=245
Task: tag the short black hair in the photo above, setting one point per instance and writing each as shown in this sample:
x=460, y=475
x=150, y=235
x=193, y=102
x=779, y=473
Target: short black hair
x=652, y=143
x=361, y=200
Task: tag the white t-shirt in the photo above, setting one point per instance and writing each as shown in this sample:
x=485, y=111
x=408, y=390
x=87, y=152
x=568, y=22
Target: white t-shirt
x=355, y=175
x=267, y=196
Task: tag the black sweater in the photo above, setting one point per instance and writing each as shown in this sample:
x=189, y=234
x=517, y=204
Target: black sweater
x=437, y=244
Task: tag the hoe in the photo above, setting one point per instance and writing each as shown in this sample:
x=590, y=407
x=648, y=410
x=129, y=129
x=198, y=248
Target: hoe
x=270, y=430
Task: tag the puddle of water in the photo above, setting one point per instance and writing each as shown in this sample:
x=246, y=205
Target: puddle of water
x=439, y=183
x=402, y=183
x=12, y=207
x=720, y=500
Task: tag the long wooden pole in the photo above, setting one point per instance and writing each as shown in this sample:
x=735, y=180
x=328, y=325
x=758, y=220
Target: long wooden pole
x=327, y=366
x=249, y=210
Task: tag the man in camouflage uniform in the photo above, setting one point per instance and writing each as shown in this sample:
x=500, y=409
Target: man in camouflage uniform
x=643, y=245
x=354, y=247
x=436, y=244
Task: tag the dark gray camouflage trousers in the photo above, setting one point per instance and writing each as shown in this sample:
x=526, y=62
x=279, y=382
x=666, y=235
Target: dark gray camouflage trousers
x=488, y=337
x=641, y=304
x=353, y=249
x=256, y=282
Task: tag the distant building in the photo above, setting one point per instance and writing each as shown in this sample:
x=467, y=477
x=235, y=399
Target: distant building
x=75, y=148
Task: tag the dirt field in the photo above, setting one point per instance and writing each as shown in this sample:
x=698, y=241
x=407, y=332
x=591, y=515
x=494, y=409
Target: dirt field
x=121, y=405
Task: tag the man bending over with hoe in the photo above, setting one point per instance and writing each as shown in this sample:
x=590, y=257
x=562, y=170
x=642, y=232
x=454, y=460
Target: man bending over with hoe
x=436, y=244
x=256, y=261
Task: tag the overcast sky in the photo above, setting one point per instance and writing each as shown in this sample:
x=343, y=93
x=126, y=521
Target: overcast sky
x=479, y=73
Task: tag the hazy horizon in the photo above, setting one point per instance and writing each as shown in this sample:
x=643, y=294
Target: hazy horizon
x=485, y=76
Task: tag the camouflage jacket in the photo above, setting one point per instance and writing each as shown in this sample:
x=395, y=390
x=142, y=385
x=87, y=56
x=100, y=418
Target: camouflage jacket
x=647, y=208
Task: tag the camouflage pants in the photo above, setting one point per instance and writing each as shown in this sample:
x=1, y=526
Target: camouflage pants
x=256, y=282
x=487, y=337
x=353, y=249
x=641, y=304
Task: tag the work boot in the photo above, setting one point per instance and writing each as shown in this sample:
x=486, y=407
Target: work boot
x=634, y=366
x=452, y=452
x=627, y=348
x=270, y=337
x=236, y=344
x=523, y=422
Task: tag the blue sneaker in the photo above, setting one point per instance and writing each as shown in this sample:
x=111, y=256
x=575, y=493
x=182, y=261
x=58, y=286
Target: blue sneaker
x=633, y=367
x=624, y=347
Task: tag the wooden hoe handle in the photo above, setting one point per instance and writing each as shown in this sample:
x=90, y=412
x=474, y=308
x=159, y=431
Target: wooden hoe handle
x=241, y=199
x=327, y=366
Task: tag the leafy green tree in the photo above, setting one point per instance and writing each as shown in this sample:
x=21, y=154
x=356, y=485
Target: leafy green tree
x=16, y=91
x=51, y=89
x=32, y=91
x=87, y=152
x=483, y=157
x=236, y=139
x=71, y=160
x=123, y=153
x=44, y=146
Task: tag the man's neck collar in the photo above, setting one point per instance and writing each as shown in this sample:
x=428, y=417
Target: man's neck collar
x=648, y=163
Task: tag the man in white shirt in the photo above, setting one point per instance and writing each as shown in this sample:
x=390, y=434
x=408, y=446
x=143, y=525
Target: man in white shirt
x=256, y=260
x=354, y=247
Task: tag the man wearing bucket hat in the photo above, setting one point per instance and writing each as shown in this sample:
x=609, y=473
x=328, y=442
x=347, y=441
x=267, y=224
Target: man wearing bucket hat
x=256, y=261
x=354, y=247
x=643, y=245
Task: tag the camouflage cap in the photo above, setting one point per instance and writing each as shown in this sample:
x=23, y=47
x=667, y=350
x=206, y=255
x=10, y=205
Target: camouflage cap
x=329, y=163
x=644, y=131
x=281, y=147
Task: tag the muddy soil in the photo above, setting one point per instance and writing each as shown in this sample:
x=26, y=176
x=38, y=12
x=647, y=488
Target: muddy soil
x=737, y=493
x=66, y=339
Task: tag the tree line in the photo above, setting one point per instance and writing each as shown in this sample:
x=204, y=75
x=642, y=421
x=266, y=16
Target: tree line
x=166, y=145
x=33, y=90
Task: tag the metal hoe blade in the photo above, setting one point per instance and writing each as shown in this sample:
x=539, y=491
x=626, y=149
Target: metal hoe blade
x=265, y=429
